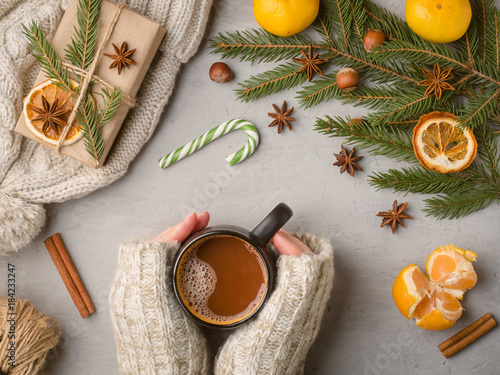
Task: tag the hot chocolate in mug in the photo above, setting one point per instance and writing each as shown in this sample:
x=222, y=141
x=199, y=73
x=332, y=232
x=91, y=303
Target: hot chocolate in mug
x=223, y=274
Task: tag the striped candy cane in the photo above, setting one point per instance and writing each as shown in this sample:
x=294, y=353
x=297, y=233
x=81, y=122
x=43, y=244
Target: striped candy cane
x=218, y=131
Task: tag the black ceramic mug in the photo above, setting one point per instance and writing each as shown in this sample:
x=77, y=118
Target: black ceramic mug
x=223, y=274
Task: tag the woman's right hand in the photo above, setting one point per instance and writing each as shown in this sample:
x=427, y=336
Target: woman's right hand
x=287, y=244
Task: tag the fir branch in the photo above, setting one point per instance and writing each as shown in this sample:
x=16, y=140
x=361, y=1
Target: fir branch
x=88, y=120
x=80, y=51
x=91, y=119
x=407, y=106
x=484, y=12
x=468, y=45
x=342, y=22
x=456, y=205
x=488, y=152
x=394, y=49
x=496, y=42
x=372, y=97
x=474, y=34
x=49, y=60
x=280, y=78
x=482, y=2
x=404, y=126
x=259, y=46
x=478, y=110
x=359, y=17
x=325, y=29
x=111, y=104
x=422, y=181
x=388, y=72
x=321, y=90
x=375, y=138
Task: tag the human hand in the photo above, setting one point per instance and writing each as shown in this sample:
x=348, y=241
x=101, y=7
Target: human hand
x=182, y=230
x=287, y=244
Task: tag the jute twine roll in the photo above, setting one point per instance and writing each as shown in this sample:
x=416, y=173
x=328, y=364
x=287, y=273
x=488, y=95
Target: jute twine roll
x=35, y=335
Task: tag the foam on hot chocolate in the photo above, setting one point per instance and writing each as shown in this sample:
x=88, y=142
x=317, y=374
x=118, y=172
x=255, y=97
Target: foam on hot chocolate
x=197, y=283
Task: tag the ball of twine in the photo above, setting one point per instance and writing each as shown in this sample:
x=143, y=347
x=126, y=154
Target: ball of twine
x=35, y=335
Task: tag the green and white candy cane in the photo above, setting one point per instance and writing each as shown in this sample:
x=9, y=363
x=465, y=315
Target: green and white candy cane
x=218, y=131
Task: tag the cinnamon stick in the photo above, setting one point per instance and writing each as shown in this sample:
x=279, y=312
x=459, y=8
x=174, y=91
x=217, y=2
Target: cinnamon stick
x=467, y=336
x=68, y=262
x=69, y=275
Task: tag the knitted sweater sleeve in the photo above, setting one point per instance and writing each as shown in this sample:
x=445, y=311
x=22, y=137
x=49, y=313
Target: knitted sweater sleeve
x=278, y=340
x=152, y=334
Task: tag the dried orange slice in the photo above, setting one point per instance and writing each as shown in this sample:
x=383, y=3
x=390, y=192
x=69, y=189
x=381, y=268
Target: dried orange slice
x=433, y=300
x=441, y=146
x=46, y=111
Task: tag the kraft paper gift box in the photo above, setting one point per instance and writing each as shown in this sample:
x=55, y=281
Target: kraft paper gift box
x=140, y=33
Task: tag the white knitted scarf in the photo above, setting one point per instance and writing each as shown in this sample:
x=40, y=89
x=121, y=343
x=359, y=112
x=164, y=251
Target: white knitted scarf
x=32, y=174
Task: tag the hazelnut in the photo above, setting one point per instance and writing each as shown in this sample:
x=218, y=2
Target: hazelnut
x=347, y=79
x=220, y=72
x=373, y=38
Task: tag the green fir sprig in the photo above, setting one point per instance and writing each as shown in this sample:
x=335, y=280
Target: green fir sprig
x=393, y=96
x=91, y=120
x=80, y=52
x=49, y=60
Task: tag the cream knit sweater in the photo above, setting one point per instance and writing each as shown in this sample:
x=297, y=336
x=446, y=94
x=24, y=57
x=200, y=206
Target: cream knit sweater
x=30, y=173
x=154, y=336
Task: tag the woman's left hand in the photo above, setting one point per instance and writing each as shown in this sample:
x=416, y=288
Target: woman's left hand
x=182, y=230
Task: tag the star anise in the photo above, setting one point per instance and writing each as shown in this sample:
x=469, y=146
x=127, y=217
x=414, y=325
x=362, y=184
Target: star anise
x=347, y=161
x=121, y=58
x=281, y=117
x=310, y=64
x=394, y=216
x=436, y=81
x=51, y=116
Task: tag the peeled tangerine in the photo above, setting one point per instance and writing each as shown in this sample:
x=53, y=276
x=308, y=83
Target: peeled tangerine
x=432, y=299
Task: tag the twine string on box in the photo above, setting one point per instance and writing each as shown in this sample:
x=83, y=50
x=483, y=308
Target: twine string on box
x=35, y=335
x=127, y=99
x=89, y=75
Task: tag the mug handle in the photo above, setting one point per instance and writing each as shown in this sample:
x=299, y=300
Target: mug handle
x=272, y=223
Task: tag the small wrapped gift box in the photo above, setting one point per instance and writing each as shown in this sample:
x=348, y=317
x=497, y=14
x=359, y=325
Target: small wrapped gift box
x=118, y=25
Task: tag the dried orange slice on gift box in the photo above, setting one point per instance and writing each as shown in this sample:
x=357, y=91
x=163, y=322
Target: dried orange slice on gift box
x=441, y=146
x=46, y=110
x=433, y=299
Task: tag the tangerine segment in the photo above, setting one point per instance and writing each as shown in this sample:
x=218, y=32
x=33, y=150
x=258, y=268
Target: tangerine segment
x=51, y=92
x=451, y=267
x=438, y=311
x=409, y=288
x=441, y=145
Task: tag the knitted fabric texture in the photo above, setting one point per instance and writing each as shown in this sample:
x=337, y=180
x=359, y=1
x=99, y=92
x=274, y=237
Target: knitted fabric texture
x=32, y=174
x=154, y=336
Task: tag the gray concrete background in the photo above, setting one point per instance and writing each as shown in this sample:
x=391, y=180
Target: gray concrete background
x=361, y=322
